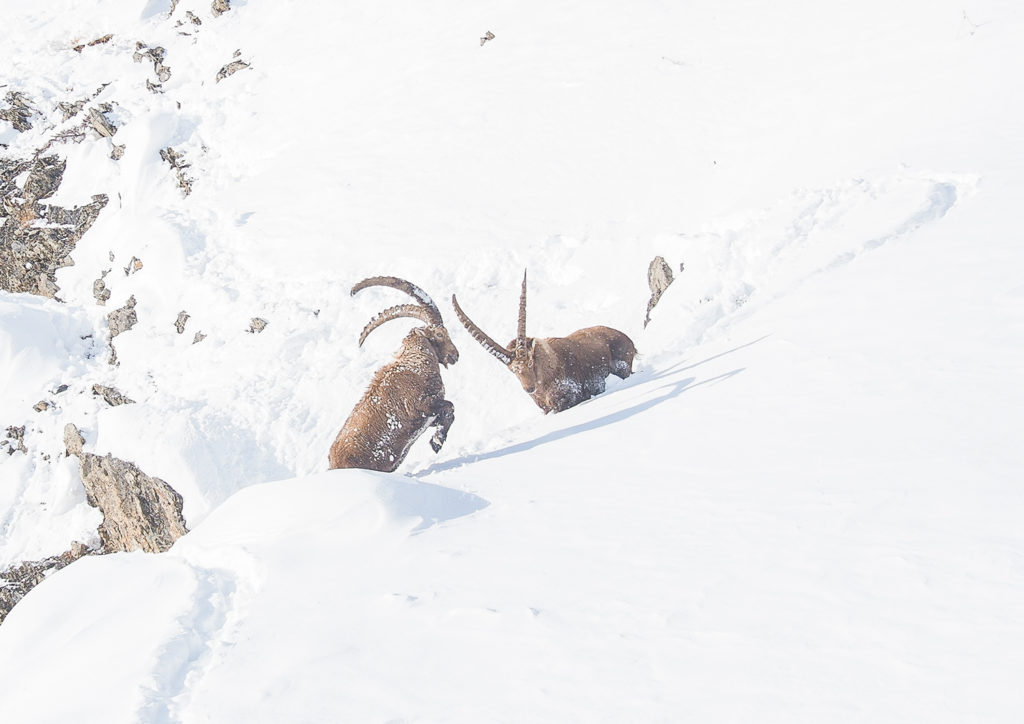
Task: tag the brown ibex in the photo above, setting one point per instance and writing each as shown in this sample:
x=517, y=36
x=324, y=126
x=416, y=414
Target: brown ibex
x=405, y=396
x=559, y=372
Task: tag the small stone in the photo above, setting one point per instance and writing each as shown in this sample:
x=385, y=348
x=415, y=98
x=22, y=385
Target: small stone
x=111, y=396
x=257, y=325
x=41, y=406
x=73, y=440
x=198, y=338
x=180, y=324
x=123, y=319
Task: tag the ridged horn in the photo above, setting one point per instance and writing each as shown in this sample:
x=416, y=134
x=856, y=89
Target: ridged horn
x=478, y=334
x=521, y=329
x=401, y=310
x=405, y=286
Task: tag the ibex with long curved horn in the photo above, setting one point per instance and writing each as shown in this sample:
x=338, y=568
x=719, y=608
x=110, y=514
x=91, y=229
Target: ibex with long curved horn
x=559, y=372
x=405, y=396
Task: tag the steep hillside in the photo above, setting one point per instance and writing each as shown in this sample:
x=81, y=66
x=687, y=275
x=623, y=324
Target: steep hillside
x=805, y=503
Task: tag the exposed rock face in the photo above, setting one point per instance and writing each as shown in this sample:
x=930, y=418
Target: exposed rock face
x=220, y=7
x=18, y=580
x=180, y=324
x=659, y=277
x=37, y=239
x=18, y=111
x=139, y=512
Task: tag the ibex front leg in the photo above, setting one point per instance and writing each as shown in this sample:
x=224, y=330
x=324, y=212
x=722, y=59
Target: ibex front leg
x=444, y=416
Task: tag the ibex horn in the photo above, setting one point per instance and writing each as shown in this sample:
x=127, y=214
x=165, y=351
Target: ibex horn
x=409, y=288
x=521, y=330
x=478, y=334
x=400, y=310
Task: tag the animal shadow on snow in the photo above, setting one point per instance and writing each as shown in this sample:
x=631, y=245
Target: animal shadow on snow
x=671, y=390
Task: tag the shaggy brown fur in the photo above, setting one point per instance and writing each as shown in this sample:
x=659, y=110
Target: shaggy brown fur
x=405, y=396
x=559, y=372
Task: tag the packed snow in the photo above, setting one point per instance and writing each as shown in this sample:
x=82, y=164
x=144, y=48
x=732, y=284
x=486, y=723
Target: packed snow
x=804, y=505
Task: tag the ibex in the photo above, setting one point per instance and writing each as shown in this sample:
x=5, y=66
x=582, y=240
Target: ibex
x=559, y=372
x=405, y=396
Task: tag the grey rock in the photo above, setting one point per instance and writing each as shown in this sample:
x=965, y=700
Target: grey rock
x=17, y=435
x=230, y=69
x=100, y=291
x=123, y=319
x=257, y=325
x=111, y=396
x=44, y=178
x=659, y=277
x=18, y=580
x=178, y=165
x=180, y=324
x=117, y=152
x=220, y=7
x=73, y=440
x=41, y=406
x=198, y=338
x=100, y=123
x=140, y=512
x=18, y=111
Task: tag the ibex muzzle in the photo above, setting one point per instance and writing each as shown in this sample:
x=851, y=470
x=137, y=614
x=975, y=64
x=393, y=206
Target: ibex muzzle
x=559, y=372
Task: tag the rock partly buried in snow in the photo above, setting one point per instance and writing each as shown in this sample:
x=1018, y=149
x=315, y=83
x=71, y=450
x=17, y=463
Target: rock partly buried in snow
x=180, y=324
x=18, y=580
x=111, y=396
x=16, y=436
x=17, y=112
x=220, y=7
x=139, y=512
x=230, y=69
x=178, y=165
x=73, y=440
x=123, y=319
x=659, y=277
x=257, y=325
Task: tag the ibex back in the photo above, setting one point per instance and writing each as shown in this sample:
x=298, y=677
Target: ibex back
x=559, y=372
x=405, y=396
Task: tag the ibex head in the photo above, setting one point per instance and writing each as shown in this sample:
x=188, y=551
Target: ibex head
x=559, y=372
x=518, y=355
x=425, y=311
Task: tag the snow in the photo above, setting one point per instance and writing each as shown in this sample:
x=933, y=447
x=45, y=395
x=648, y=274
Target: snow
x=803, y=506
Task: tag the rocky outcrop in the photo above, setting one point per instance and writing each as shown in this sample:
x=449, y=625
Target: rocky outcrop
x=18, y=580
x=139, y=512
x=37, y=239
x=659, y=277
x=18, y=111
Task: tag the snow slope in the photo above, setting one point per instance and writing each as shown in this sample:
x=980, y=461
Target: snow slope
x=803, y=507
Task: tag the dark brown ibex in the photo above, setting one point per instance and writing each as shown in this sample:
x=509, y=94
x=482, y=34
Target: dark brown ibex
x=559, y=372
x=405, y=396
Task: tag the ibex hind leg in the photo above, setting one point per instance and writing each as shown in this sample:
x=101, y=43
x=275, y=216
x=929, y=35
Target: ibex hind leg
x=444, y=417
